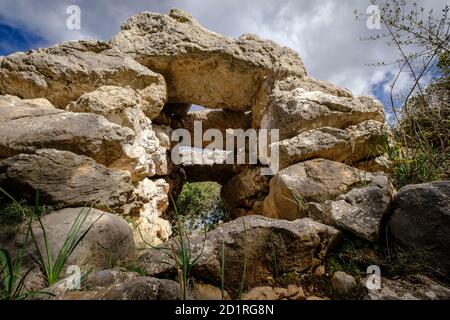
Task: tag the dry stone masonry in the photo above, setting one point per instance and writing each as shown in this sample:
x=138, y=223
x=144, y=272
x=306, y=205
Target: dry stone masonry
x=90, y=122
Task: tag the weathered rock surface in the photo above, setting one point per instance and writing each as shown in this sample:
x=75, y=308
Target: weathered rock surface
x=116, y=285
x=13, y=108
x=64, y=72
x=292, y=292
x=349, y=145
x=342, y=282
x=300, y=246
x=311, y=181
x=416, y=287
x=90, y=123
x=163, y=133
x=124, y=107
x=360, y=211
x=150, y=231
x=273, y=89
x=120, y=105
x=204, y=291
x=157, y=193
x=246, y=189
x=65, y=178
x=150, y=228
x=203, y=67
x=421, y=221
x=81, y=133
x=295, y=111
x=109, y=239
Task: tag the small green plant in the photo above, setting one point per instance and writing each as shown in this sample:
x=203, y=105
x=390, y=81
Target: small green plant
x=181, y=253
x=52, y=269
x=135, y=267
x=12, y=281
x=274, y=258
x=416, y=164
x=13, y=212
x=350, y=258
x=298, y=200
x=222, y=271
x=244, y=271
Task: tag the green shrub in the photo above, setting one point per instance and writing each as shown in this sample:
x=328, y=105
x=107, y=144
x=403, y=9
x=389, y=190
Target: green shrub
x=416, y=165
x=422, y=149
x=200, y=206
x=12, y=280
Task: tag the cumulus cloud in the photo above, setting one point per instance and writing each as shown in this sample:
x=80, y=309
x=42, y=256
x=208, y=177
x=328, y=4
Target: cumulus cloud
x=324, y=32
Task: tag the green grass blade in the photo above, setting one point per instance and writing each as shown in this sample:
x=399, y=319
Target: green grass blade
x=222, y=270
x=241, y=287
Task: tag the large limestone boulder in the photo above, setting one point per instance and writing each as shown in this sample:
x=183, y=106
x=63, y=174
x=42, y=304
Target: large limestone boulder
x=203, y=67
x=13, y=108
x=64, y=72
x=109, y=239
x=361, y=211
x=124, y=107
x=65, y=178
x=246, y=190
x=115, y=285
x=273, y=89
x=121, y=105
x=311, y=181
x=361, y=141
x=81, y=133
x=421, y=221
x=300, y=246
x=295, y=111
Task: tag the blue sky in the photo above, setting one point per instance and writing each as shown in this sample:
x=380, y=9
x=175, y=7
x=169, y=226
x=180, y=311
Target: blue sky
x=14, y=39
x=324, y=32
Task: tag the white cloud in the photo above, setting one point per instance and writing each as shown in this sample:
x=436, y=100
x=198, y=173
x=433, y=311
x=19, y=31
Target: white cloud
x=324, y=32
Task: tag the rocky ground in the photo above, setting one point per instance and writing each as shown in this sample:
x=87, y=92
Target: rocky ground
x=88, y=123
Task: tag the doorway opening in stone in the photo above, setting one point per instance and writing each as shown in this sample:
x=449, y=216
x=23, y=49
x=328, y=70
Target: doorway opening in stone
x=200, y=207
x=205, y=178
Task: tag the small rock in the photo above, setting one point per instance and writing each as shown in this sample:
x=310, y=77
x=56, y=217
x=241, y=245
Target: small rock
x=342, y=282
x=203, y=291
x=261, y=293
